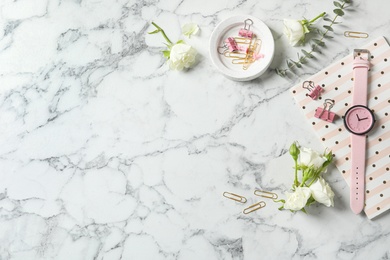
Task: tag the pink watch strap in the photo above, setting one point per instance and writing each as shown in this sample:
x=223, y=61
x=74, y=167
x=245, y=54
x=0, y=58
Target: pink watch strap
x=360, y=77
x=357, y=177
x=358, y=142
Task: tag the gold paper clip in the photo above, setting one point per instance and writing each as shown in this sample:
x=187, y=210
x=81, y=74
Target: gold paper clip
x=242, y=61
x=242, y=40
x=254, y=207
x=234, y=197
x=236, y=55
x=266, y=194
x=351, y=34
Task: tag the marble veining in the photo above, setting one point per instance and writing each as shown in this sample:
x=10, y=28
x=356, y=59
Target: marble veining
x=107, y=154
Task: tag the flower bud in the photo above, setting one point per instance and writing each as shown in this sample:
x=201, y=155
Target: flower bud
x=294, y=151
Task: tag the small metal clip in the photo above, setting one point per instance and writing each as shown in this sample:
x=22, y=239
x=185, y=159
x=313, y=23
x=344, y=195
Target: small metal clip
x=234, y=197
x=324, y=113
x=254, y=207
x=352, y=34
x=266, y=194
x=224, y=49
x=314, y=91
x=246, y=32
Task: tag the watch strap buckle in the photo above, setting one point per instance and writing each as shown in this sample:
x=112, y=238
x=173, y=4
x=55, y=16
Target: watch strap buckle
x=360, y=52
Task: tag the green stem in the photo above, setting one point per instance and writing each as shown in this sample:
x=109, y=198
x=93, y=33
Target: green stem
x=317, y=17
x=296, y=174
x=163, y=33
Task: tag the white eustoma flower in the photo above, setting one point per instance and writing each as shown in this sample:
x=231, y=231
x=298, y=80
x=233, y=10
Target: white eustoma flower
x=322, y=192
x=189, y=29
x=309, y=157
x=297, y=199
x=182, y=56
x=294, y=31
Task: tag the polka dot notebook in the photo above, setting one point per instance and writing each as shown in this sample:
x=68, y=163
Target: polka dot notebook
x=336, y=82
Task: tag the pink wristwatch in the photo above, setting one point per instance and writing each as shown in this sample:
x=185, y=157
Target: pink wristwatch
x=359, y=120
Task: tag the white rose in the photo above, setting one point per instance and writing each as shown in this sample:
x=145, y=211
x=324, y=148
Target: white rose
x=294, y=31
x=190, y=29
x=322, y=192
x=181, y=56
x=309, y=157
x=298, y=199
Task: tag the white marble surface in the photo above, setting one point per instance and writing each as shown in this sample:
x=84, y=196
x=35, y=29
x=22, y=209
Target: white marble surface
x=107, y=154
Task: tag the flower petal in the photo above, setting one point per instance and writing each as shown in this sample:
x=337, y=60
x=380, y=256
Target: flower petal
x=189, y=29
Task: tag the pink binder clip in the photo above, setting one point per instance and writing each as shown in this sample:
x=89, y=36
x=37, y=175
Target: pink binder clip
x=324, y=112
x=246, y=32
x=314, y=91
x=231, y=44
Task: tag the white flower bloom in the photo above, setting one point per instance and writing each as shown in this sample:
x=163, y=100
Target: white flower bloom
x=294, y=31
x=309, y=157
x=298, y=199
x=322, y=192
x=181, y=56
x=190, y=29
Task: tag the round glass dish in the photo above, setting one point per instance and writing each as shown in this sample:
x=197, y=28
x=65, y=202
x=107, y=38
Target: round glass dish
x=230, y=28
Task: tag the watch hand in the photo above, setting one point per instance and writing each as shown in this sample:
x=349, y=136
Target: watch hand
x=358, y=117
x=363, y=118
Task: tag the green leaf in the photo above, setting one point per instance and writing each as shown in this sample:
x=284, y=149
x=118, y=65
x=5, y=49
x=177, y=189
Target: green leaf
x=298, y=64
x=307, y=54
x=281, y=73
x=337, y=4
x=328, y=19
x=155, y=31
x=167, y=54
x=315, y=48
x=289, y=64
x=328, y=28
x=339, y=12
x=319, y=42
x=328, y=37
x=180, y=41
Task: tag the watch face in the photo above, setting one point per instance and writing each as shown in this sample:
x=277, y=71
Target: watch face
x=359, y=120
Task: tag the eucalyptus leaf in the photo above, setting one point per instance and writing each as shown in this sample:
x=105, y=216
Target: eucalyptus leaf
x=319, y=42
x=281, y=73
x=289, y=64
x=302, y=60
x=298, y=64
x=337, y=4
x=307, y=54
x=329, y=28
x=339, y=12
x=315, y=48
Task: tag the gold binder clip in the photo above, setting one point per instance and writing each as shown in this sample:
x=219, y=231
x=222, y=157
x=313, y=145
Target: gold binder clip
x=254, y=207
x=266, y=194
x=351, y=34
x=234, y=197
